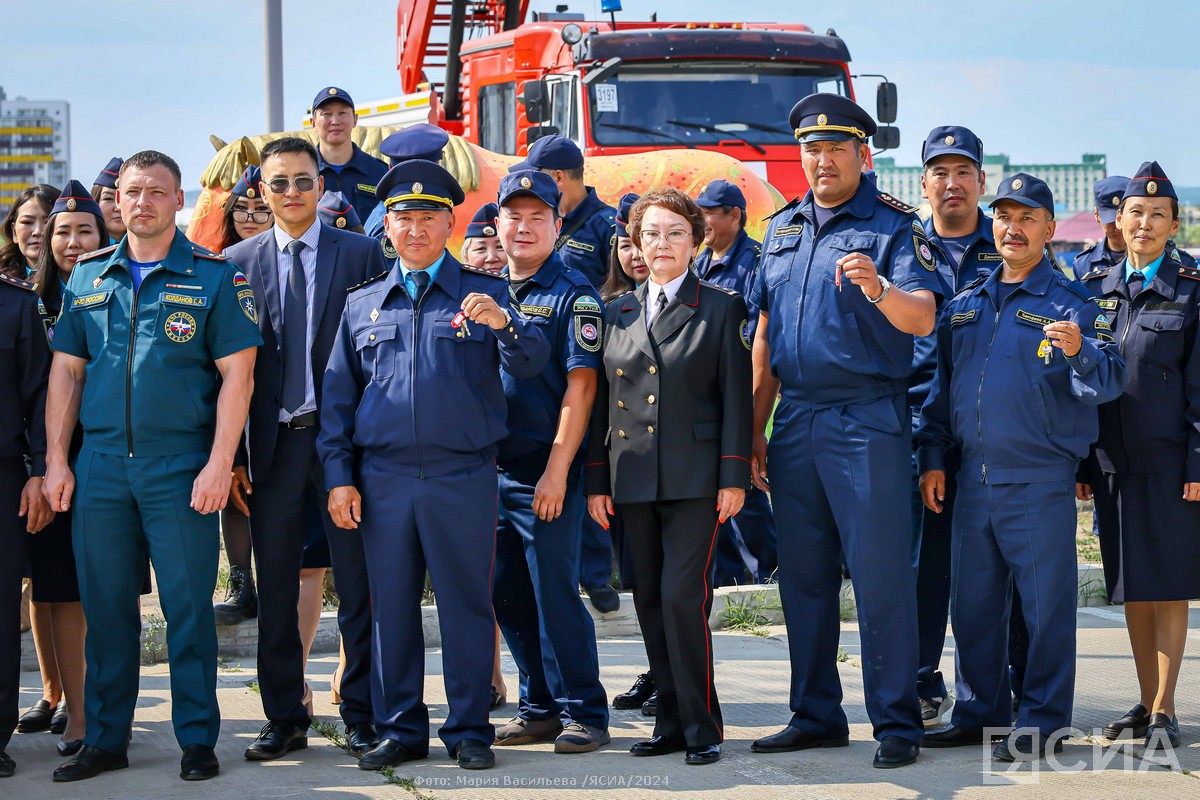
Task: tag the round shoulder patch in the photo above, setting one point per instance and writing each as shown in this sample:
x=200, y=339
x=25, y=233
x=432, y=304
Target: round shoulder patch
x=744, y=330
x=924, y=253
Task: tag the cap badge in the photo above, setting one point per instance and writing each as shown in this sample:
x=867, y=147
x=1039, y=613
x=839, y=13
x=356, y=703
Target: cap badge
x=526, y=183
x=116, y=183
x=949, y=140
x=341, y=222
x=418, y=188
x=488, y=230
x=333, y=91
x=1151, y=188
x=1017, y=184
x=1116, y=200
x=249, y=192
x=822, y=119
x=70, y=204
x=704, y=188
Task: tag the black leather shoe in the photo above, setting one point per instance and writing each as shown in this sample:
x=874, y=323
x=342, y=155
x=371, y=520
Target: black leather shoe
x=1134, y=722
x=7, y=765
x=638, y=694
x=953, y=737
x=1162, y=729
x=658, y=746
x=58, y=722
x=361, y=737
x=604, y=598
x=388, y=753
x=35, y=719
x=276, y=740
x=895, y=752
x=1026, y=747
x=199, y=763
x=241, y=601
x=69, y=747
x=88, y=763
x=474, y=754
x=791, y=739
x=697, y=756
x=650, y=707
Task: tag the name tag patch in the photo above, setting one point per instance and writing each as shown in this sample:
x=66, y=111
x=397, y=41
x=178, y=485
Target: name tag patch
x=788, y=230
x=1030, y=318
x=537, y=311
x=990, y=257
x=366, y=187
x=581, y=246
x=965, y=316
x=183, y=300
x=1107, y=303
x=88, y=300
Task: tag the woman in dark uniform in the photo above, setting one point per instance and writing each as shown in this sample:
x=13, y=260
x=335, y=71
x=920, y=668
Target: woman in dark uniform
x=670, y=444
x=1144, y=472
x=24, y=230
x=76, y=226
x=104, y=192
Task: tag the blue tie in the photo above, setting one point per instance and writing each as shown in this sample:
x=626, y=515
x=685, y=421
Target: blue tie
x=295, y=331
x=421, y=279
x=1136, y=281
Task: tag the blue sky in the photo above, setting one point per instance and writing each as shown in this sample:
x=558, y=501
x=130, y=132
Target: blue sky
x=1040, y=81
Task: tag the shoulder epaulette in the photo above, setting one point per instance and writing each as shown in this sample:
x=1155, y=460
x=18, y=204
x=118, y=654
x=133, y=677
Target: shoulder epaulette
x=17, y=282
x=482, y=271
x=103, y=251
x=729, y=292
x=1189, y=272
x=1098, y=272
x=896, y=203
x=795, y=201
x=369, y=281
x=204, y=252
x=972, y=286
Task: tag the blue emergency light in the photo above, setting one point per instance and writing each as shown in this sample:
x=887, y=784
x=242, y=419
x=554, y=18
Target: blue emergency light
x=610, y=6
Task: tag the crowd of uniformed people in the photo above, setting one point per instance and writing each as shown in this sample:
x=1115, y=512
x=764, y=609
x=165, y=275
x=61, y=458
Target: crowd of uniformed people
x=582, y=386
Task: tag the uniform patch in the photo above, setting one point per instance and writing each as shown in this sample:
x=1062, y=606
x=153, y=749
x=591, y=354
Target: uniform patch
x=87, y=300
x=1034, y=319
x=788, y=230
x=924, y=252
x=581, y=246
x=537, y=311
x=188, y=286
x=1107, y=303
x=1104, y=337
x=896, y=203
x=744, y=330
x=586, y=305
x=194, y=301
x=246, y=301
x=240, y=279
x=389, y=250
x=587, y=333
x=965, y=316
x=366, y=187
x=990, y=257
x=180, y=327
x=1102, y=323
x=1175, y=256
x=96, y=283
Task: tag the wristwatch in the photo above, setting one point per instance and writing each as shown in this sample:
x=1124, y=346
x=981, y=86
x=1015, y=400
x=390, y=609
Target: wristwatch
x=887, y=287
x=507, y=318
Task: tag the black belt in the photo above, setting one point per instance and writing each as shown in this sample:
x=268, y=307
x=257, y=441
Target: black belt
x=302, y=421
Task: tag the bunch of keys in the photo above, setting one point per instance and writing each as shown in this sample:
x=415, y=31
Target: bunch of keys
x=460, y=320
x=1046, y=350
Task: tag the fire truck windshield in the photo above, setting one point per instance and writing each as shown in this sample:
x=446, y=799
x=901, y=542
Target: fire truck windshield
x=700, y=104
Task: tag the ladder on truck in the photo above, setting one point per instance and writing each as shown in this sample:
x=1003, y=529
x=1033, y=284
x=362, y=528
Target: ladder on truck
x=429, y=39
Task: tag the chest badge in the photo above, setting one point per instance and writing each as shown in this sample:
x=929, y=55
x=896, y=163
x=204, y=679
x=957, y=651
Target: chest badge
x=374, y=315
x=1045, y=351
x=96, y=283
x=180, y=327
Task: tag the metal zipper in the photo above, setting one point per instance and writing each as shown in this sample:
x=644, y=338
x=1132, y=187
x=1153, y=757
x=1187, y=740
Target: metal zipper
x=987, y=357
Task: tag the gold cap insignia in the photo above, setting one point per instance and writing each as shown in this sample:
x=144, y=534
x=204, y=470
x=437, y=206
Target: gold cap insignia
x=341, y=222
x=116, y=183
x=949, y=140
x=418, y=188
x=822, y=119
x=704, y=188
x=70, y=204
x=1152, y=187
x=526, y=183
x=488, y=230
x=1017, y=184
x=333, y=91
x=249, y=192
x=1116, y=200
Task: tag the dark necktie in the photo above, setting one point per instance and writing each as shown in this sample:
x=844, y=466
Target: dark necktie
x=295, y=331
x=660, y=303
x=1136, y=281
x=421, y=279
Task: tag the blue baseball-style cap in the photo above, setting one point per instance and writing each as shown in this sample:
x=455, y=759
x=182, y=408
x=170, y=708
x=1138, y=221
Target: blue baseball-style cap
x=419, y=184
x=247, y=185
x=483, y=224
x=947, y=140
x=422, y=141
x=622, y=218
x=329, y=94
x=551, y=152
x=1109, y=192
x=1027, y=190
x=334, y=209
x=529, y=183
x=721, y=193
x=110, y=174
x=830, y=117
x=1149, y=181
x=75, y=197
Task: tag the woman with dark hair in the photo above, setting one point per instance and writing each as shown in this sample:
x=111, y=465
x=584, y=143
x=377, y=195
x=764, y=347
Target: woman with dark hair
x=23, y=230
x=669, y=443
x=74, y=228
x=104, y=192
x=246, y=213
x=626, y=267
x=482, y=248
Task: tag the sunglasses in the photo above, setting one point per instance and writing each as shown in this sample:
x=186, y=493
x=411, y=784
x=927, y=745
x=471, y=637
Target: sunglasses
x=302, y=184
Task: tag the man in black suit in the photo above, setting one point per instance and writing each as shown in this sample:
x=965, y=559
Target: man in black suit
x=301, y=271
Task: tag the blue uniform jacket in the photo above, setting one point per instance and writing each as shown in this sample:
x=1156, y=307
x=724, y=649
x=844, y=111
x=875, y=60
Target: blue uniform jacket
x=586, y=248
x=562, y=304
x=24, y=370
x=408, y=389
x=978, y=261
x=1017, y=418
x=152, y=382
x=1095, y=257
x=1156, y=421
x=831, y=347
x=356, y=179
x=735, y=271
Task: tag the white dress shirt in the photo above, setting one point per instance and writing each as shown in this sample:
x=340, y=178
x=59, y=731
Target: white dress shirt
x=670, y=289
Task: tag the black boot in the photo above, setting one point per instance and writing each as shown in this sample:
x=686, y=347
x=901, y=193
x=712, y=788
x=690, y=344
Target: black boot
x=241, y=602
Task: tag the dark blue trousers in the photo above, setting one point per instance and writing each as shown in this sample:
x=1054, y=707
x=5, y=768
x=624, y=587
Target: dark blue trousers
x=1006, y=535
x=14, y=544
x=448, y=525
x=839, y=480
x=595, y=553
x=536, y=597
x=755, y=527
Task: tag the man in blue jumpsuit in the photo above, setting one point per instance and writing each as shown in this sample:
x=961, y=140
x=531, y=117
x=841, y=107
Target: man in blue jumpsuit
x=154, y=356
x=1024, y=358
x=342, y=163
x=729, y=260
x=847, y=278
x=413, y=410
x=536, y=594
x=1109, y=251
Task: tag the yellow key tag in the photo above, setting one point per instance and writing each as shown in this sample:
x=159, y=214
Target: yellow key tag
x=1045, y=350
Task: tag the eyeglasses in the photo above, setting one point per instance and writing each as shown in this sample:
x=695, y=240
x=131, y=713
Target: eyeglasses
x=675, y=237
x=302, y=184
x=259, y=217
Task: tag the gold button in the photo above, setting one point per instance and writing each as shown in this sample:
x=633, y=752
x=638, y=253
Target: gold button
x=459, y=335
x=620, y=404
x=649, y=429
x=622, y=434
x=372, y=337
x=653, y=370
x=620, y=372
x=650, y=399
x=515, y=337
x=511, y=329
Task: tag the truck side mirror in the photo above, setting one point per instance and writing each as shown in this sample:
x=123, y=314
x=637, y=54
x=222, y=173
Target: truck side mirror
x=887, y=138
x=536, y=99
x=885, y=103
x=538, y=131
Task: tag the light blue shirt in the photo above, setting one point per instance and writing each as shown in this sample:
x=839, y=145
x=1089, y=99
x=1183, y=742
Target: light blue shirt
x=1149, y=271
x=432, y=270
x=283, y=262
